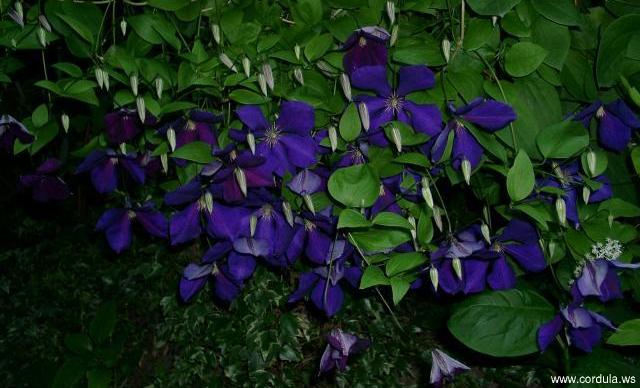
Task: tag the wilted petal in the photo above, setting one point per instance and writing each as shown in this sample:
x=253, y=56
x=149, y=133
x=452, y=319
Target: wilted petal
x=414, y=78
x=372, y=78
x=592, y=276
x=444, y=366
x=491, y=115
x=577, y=317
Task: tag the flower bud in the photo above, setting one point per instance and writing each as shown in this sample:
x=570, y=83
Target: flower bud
x=466, y=170
x=268, y=75
x=346, y=86
x=552, y=247
x=133, y=80
x=159, y=82
x=485, y=214
x=123, y=27
x=164, y=161
x=142, y=111
x=457, y=267
x=561, y=210
x=44, y=23
x=296, y=51
x=105, y=79
x=586, y=193
x=19, y=9
x=224, y=58
x=433, y=275
x=412, y=221
x=437, y=217
x=241, y=178
x=297, y=73
x=391, y=11
x=446, y=49
x=42, y=37
x=592, y=162
x=394, y=35
x=251, y=140
x=494, y=20
x=263, y=84
x=484, y=228
x=215, y=31
x=333, y=138
x=364, y=115
x=65, y=122
x=171, y=138
x=309, y=202
x=253, y=222
x=246, y=66
x=208, y=201
x=123, y=148
x=426, y=193
x=99, y=77
x=397, y=138
x=610, y=219
x=288, y=214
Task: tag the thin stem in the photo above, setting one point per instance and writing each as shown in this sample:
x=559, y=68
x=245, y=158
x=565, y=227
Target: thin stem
x=462, y=11
x=46, y=75
x=444, y=207
x=104, y=17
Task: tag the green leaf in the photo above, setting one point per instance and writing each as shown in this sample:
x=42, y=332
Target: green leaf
x=355, y=186
x=69, y=68
x=318, y=46
x=373, y=276
x=558, y=11
x=577, y=77
x=415, y=158
x=402, y=262
x=392, y=220
x=70, y=373
x=619, y=208
x=627, y=334
x=613, y=47
x=602, y=362
x=350, y=123
x=520, y=178
x=350, y=218
x=523, y=58
x=479, y=32
x=175, y=106
x=378, y=239
x=245, y=96
x=492, y=7
x=196, y=151
x=40, y=115
x=554, y=38
x=168, y=5
x=562, y=140
x=103, y=324
x=78, y=26
x=78, y=343
x=99, y=378
x=399, y=288
x=635, y=158
x=501, y=323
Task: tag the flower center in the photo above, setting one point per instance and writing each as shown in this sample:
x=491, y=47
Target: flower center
x=131, y=214
x=394, y=103
x=272, y=135
x=356, y=156
x=309, y=226
x=267, y=211
x=362, y=41
x=600, y=112
x=191, y=126
x=497, y=247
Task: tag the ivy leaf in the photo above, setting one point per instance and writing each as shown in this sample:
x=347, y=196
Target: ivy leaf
x=520, y=178
x=524, y=58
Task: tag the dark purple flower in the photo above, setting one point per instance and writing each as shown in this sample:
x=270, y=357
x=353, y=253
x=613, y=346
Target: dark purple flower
x=489, y=115
x=10, y=130
x=444, y=367
x=240, y=171
x=286, y=144
x=367, y=46
x=44, y=185
x=341, y=345
x=616, y=123
x=285, y=243
x=198, y=126
x=117, y=223
x=105, y=167
x=391, y=104
x=584, y=328
x=124, y=125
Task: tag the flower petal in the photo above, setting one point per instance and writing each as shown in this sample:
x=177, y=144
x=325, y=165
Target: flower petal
x=547, y=333
x=491, y=115
x=414, y=78
x=425, y=118
x=252, y=117
x=501, y=276
x=613, y=134
x=372, y=78
x=296, y=117
x=185, y=224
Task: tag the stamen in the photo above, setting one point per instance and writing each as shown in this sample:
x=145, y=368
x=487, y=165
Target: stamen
x=362, y=41
x=272, y=135
x=394, y=103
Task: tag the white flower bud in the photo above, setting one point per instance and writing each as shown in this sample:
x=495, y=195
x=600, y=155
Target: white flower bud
x=251, y=140
x=123, y=148
x=297, y=73
x=433, y=275
x=246, y=66
x=346, y=86
x=610, y=219
x=494, y=20
x=142, y=110
x=123, y=27
x=215, y=31
x=133, y=81
x=65, y=122
x=466, y=170
x=42, y=37
x=208, y=201
x=105, y=79
x=19, y=10
x=592, y=162
x=457, y=267
x=296, y=51
x=552, y=246
x=44, y=23
x=253, y=223
x=288, y=214
x=171, y=138
x=446, y=49
x=159, y=82
x=412, y=221
x=484, y=228
x=263, y=84
x=309, y=202
x=13, y=42
x=391, y=11
x=397, y=138
x=364, y=115
x=426, y=193
x=561, y=210
x=485, y=214
x=268, y=75
x=241, y=178
x=333, y=138
x=164, y=161
x=224, y=58
x=99, y=77
x=586, y=193
x=437, y=217
x=394, y=35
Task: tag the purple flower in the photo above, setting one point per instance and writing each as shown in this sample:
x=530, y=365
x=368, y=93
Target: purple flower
x=323, y=282
x=240, y=171
x=124, y=125
x=367, y=46
x=10, y=130
x=340, y=346
x=598, y=277
x=584, y=328
x=616, y=123
x=104, y=166
x=117, y=223
x=44, y=185
x=489, y=115
x=286, y=144
x=391, y=104
x=285, y=242
x=444, y=367
x=198, y=126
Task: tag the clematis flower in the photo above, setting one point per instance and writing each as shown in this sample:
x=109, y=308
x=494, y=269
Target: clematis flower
x=197, y=126
x=117, y=224
x=44, y=185
x=239, y=172
x=597, y=274
x=285, y=242
x=10, y=130
x=367, y=46
x=569, y=180
x=616, y=123
x=317, y=233
x=105, y=167
x=340, y=346
x=489, y=115
x=390, y=104
x=444, y=367
x=323, y=283
x=285, y=144
x=584, y=328
x=124, y=125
